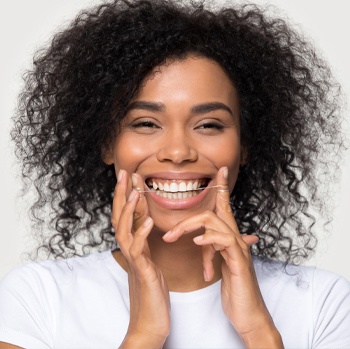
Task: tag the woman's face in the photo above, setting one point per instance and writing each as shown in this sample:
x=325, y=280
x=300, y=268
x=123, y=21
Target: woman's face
x=180, y=128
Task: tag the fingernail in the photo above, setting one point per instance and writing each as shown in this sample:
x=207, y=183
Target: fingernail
x=167, y=234
x=132, y=195
x=120, y=175
x=198, y=238
x=134, y=180
x=205, y=276
x=147, y=222
x=225, y=172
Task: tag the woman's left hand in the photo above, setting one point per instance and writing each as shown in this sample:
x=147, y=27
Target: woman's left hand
x=241, y=298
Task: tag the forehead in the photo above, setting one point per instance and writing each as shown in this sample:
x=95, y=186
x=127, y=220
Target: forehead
x=193, y=78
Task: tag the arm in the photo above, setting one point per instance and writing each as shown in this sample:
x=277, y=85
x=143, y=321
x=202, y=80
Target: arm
x=8, y=346
x=149, y=323
x=241, y=298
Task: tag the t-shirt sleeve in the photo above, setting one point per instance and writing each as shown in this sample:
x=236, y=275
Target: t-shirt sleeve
x=24, y=309
x=331, y=310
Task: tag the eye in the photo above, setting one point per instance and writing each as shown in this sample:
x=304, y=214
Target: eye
x=211, y=126
x=144, y=124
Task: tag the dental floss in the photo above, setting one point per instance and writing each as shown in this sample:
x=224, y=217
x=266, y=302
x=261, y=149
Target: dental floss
x=210, y=187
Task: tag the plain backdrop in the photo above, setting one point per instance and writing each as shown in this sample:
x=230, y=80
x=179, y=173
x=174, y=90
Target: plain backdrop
x=27, y=25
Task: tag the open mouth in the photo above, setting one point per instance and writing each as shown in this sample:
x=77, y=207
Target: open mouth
x=177, y=189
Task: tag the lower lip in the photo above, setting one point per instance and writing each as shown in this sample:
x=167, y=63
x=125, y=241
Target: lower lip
x=179, y=204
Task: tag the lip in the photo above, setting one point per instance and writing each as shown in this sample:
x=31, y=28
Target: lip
x=179, y=204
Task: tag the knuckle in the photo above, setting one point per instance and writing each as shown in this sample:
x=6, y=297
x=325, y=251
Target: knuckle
x=138, y=215
x=209, y=233
x=232, y=240
x=208, y=214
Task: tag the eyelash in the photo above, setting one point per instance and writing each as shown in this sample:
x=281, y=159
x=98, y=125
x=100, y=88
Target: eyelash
x=150, y=124
x=147, y=124
x=209, y=125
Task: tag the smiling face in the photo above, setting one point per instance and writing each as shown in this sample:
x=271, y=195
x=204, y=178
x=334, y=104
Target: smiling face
x=180, y=128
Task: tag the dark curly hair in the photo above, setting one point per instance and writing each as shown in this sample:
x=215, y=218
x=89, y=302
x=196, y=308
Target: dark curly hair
x=79, y=89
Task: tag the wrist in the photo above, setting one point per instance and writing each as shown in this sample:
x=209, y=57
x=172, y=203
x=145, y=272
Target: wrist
x=266, y=337
x=139, y=341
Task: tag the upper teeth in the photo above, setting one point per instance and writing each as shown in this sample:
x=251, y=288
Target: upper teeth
x=175, y=186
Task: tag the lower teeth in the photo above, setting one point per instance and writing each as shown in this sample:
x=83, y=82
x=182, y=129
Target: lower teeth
x=177, y=195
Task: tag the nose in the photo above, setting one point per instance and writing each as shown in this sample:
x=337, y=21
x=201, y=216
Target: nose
x=177, y=147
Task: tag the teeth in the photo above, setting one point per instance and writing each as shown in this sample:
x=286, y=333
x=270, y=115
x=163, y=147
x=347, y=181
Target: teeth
x=176, y=196
x=189, y=186
x=176, y=189
x=182, y=186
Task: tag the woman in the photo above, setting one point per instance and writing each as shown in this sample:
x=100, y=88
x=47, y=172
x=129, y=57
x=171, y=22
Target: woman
x=194, y=135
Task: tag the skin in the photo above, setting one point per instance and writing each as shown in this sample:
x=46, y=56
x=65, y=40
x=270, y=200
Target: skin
x=163, y=133
x=175, y=134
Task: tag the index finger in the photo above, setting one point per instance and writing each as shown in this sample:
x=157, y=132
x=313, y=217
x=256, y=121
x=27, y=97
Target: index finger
x=141, y=210
x=223, y=206
x=119, y=197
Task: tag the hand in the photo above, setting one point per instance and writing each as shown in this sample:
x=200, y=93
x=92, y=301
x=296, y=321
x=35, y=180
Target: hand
x=241, y=298
x=149, y=296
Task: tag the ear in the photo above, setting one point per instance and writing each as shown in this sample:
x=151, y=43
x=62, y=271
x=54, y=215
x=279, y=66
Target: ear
x=107, y=155
x=244, y=155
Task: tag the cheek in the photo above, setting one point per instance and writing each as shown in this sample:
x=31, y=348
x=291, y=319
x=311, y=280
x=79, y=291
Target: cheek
x=129, y=153
x=226, y=152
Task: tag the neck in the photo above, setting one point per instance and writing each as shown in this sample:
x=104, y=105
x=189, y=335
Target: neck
x=181, y=262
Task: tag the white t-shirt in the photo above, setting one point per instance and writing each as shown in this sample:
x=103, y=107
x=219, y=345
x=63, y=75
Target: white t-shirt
x=84, y=303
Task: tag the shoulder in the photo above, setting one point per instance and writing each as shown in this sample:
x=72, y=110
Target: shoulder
x=301, y=276
x=317, y=302
x=41, y=299
x=51, y=274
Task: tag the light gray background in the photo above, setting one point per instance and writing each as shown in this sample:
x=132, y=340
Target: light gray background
x=26, y=25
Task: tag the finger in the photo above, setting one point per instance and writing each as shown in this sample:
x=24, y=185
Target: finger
x=141, y=211
x=205, y=220
x=124, y=232
x=208, y=253
x=250, y=240
x=223, y=206
x=122, y=190
x=219, y=240
x=222, y=242
x=139, y=245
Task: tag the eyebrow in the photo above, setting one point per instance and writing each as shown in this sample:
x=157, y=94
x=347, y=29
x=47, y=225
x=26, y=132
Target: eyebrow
x=197, y=109
x=209, y=107
x=150, y=106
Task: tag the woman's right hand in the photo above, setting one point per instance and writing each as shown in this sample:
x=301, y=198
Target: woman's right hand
x=149, y=323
